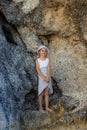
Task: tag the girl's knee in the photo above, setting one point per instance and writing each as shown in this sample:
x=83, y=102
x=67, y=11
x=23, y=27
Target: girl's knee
x=46, y=91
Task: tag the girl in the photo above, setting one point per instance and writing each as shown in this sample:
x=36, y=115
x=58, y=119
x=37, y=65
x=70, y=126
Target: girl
x=44, y=84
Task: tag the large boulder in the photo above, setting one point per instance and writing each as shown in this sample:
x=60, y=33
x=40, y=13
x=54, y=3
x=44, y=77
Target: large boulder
x=69, y=69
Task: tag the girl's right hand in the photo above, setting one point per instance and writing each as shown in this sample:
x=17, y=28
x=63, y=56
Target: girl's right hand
x=46, y=79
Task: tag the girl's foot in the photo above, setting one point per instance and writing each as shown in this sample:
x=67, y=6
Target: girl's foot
x=42, y=111
x=49, y=110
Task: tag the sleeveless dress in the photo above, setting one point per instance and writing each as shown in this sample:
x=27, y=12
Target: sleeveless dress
x=43, y=64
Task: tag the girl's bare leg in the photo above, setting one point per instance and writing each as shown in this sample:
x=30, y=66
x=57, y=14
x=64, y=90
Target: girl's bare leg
x=40, y=103
x=46, y=92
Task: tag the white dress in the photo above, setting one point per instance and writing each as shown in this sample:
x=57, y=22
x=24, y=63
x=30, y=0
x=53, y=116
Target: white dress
x=43, y=64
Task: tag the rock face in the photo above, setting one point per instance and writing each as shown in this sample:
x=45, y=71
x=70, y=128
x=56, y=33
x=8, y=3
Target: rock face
x=24, y=25
x=17, y=78
x=69, y=68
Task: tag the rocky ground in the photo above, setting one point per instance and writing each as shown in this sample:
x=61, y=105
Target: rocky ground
x=60, y=126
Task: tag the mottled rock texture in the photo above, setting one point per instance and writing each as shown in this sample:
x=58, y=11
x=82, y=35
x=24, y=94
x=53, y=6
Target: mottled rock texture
x=24, y=25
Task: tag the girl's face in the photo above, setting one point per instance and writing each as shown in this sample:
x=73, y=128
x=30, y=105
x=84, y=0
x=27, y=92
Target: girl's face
x=43, y=52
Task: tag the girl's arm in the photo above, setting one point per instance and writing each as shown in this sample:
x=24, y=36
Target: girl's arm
x=38, y=71
x=48, y=72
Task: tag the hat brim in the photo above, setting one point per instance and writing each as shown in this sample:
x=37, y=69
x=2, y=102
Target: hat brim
x=41, y=48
